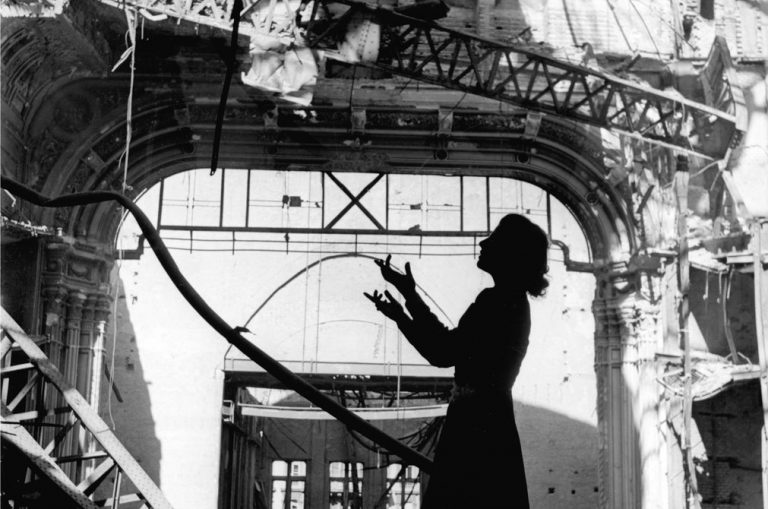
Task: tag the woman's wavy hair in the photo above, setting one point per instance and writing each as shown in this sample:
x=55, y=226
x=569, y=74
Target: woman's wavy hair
x=527, y=244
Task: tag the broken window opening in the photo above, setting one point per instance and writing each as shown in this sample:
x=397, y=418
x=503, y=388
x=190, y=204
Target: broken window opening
x=292, y=211
x=346, y=485
x=289, y=480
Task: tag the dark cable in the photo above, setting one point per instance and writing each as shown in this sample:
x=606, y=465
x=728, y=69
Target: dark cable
x=280, y=372
x=237, y=7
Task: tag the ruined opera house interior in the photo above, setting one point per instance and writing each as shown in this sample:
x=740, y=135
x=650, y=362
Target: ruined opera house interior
x=196, y=195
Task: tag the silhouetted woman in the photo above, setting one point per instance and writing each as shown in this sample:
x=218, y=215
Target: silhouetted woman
x=478, y=461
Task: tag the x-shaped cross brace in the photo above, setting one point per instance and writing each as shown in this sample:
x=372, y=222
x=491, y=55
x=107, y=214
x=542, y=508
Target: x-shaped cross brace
x=355, y=200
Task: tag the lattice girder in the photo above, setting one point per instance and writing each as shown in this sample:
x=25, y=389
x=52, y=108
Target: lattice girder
x=427, y=52
x=509, y=72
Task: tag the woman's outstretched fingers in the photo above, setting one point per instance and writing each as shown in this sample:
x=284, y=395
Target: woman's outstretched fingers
x=375, y=298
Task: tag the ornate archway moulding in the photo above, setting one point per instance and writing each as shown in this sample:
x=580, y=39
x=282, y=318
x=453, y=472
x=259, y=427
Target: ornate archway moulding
x=564, y=158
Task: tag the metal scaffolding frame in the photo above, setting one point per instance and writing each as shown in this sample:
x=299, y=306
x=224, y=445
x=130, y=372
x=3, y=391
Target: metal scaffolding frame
x=69, y=410
x=428, y=52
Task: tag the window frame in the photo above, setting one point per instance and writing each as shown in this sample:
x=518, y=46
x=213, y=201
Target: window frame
x=288, y=479
x=351, y=469
x=402, y=481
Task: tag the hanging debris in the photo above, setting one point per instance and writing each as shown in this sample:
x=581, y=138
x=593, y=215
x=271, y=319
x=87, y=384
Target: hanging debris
x=281, y=62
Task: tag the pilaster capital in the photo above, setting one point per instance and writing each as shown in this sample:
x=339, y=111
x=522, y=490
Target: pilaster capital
x=54, y=297
x=89, y=308
x=103, y=307
x=75, y=302
x=626, y=318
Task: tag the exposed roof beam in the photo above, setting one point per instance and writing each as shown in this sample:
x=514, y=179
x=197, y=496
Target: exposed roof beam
x=427, y=52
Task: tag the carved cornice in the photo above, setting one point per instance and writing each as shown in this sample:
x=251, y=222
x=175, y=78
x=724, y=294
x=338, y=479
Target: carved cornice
x=81, y=133
x=626, y=320
x=75, y=303
x=77, y=268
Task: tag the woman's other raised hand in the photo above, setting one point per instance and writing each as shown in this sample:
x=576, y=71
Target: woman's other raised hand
x=404, y=283
x=387, y=305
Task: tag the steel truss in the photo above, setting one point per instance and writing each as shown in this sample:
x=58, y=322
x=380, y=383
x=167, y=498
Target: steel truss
x=23, y=430
x=427, y=52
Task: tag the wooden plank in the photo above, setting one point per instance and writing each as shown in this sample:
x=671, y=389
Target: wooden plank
x=81, y=457
x=117, y=501
x=23, y=392
x=89, y=419
x=17, y=368
x=5, y=346
x=34, y=415
x=100, y=473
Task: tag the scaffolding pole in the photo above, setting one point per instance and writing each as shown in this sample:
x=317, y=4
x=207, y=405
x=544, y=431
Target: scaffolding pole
x=683, y=281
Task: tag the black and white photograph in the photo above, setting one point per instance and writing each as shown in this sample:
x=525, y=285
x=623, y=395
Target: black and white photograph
x=384, y=254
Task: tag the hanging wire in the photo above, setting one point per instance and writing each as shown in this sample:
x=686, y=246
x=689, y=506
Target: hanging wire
x=318, y=251
x=648, y=30
x=114, y=342
x=306, y=285
x=663, y=19
x=621, y=28
x=317, y=317
x=125, y=159
x=131, y=20
x=117, y=241
x=469, y=243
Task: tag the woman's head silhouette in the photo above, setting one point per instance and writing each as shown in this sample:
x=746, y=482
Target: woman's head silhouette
x=515, y=254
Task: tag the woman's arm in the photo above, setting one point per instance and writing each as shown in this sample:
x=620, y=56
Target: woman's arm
x=433, y=340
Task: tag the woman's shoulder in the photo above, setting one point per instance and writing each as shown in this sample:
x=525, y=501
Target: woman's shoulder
x=503, y=299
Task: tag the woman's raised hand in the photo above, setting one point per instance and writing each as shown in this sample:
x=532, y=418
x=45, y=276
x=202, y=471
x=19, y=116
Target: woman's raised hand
x=404, y=283
x=388, y=306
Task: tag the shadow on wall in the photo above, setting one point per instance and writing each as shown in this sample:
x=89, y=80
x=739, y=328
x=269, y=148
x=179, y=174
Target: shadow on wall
x=560, y=458
x=717, y=297
x=131, y=412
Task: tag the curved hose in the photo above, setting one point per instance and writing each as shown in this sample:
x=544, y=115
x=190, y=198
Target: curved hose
x=287, y=377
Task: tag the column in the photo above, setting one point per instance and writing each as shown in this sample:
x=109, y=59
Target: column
x=48, y=398
x=71, y=353
x=628, y=334
x=76, y=296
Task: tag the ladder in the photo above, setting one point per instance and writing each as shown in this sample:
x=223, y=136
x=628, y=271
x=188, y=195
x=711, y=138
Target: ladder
x=44, y=475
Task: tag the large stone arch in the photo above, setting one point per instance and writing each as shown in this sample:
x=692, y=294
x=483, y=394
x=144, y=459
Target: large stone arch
x=172, y=132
